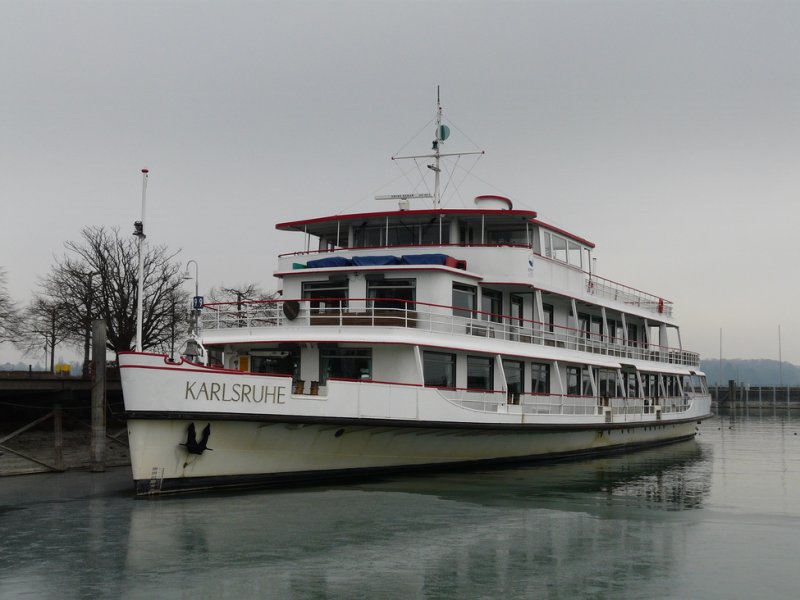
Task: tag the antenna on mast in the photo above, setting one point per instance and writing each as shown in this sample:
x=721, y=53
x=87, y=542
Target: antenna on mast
x=441, y=134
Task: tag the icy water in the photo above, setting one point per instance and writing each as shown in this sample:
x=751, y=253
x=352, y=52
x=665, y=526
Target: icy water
x=718, y=517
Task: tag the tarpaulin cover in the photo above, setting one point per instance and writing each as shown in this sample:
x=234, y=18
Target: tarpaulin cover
x=331, y=261
x=423, y=259
x=366, y=261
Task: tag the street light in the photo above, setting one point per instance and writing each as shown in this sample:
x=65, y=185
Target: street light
x=196, y=303
x=88, y=328
x=138, y=231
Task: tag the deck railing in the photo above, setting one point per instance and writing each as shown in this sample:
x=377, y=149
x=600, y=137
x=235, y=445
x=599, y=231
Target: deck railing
x=565, y=404
x=628, y=295
x=388, y=312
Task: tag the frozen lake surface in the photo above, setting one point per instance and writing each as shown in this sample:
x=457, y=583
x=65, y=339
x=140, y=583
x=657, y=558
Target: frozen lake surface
x=718, y=517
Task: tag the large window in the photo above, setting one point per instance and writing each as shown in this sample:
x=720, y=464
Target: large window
x=516, y=309
x=279, y=361
x=607, y=383
x=401, y=234
x=574, y=251
x=367, y=236
x=325, y=295
x=633, y=335
x=547, y=317
x=506, y=236
x=491, y=303
x=514, y=371
x=480, y=373
x=345, y=363
x=439, y=369
x=578, y=382
x=591, y=327
x=650, y=383
x=540, y=378
x=631, y=385
x=465, y=298
x=559, y=248
x=392, y=293
x=435, y=232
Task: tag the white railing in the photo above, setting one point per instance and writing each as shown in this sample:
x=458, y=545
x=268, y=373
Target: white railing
x=622, y=293
x=432, y=318
x=564, y=404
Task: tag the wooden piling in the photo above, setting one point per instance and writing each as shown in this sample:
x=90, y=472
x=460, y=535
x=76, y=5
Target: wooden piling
x=98, y=396
x=58, y=437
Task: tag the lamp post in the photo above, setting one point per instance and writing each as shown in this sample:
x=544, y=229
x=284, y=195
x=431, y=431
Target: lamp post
x=88, y=329
x=195, y=307
x=138, y=231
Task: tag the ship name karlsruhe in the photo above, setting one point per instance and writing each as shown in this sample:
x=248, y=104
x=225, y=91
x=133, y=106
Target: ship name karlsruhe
x=236, y=392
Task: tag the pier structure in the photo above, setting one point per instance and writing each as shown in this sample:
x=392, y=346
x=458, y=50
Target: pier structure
x=47, y=422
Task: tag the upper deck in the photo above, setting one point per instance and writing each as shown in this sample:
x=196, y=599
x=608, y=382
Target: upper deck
x=502, y=246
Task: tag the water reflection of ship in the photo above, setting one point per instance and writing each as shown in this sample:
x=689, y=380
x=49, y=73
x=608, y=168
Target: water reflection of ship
x=570, y=526
x=673, y=477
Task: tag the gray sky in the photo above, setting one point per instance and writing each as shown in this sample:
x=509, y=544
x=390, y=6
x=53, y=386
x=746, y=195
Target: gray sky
x=667, y=132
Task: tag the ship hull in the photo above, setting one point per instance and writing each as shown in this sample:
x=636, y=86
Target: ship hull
x=249, y=453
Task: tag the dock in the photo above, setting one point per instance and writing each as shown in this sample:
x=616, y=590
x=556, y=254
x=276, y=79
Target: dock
x=46, y=422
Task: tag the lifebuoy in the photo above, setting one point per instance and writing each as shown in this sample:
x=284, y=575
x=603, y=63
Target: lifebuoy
x=661, y=305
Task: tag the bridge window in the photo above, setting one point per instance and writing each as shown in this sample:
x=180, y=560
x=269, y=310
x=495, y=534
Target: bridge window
x=506, y=236
x=574, y=254
x=559, y=248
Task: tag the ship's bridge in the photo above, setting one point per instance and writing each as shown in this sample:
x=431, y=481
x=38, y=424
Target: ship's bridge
x=494, y=222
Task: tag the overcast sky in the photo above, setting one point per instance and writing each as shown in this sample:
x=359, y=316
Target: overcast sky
x=666, y=132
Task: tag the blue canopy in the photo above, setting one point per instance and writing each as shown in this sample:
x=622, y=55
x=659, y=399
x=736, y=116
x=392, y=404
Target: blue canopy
x=423, y=259
x=366, y=261
x=331, y=261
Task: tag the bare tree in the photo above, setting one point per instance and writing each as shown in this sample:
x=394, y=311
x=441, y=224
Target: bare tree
x=9, y=316
x=239, y=293
x=44, y=326
x=98, y=279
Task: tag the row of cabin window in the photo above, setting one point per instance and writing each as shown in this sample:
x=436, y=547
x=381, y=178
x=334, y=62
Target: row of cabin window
x=387, y=293
x=438, y=232
x=440, y=371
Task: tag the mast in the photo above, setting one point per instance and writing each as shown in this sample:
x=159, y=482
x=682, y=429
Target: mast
x=438, y=140
x=441, y=134
x=138, y=231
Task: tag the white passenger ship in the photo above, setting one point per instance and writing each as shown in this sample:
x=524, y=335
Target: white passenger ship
x=414, y=338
